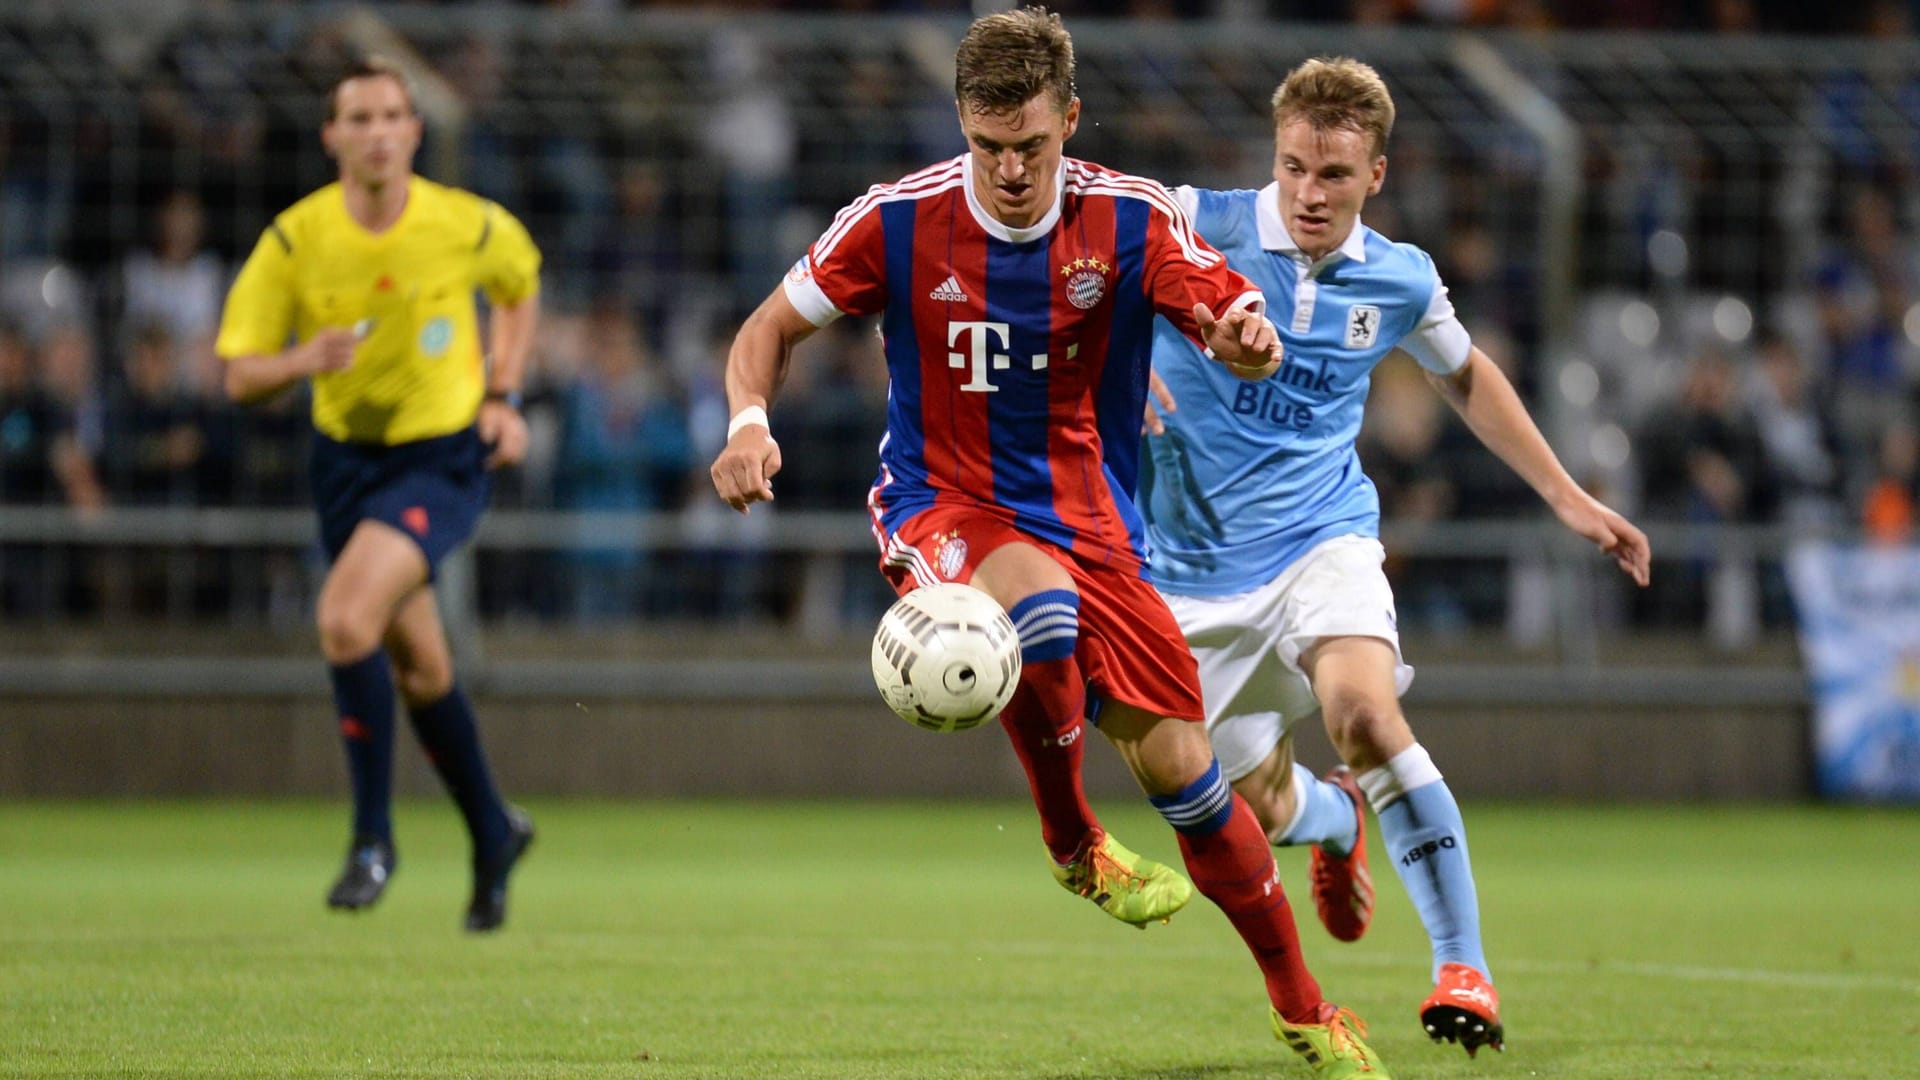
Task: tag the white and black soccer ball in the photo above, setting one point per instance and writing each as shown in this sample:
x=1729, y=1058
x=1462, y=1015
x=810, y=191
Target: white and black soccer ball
x=946, y=657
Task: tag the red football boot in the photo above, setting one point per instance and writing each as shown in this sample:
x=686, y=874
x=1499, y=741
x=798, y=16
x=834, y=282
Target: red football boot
x=1342, y=888
x=1464, y=1008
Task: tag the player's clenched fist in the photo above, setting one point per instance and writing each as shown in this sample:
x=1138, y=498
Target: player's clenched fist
x=743, y=473
x=1243, y=340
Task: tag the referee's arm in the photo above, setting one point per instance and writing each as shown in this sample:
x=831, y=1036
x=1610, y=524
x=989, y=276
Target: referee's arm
x=501, y=427
x=256, y=377
x=258, y=317
x=510, y=331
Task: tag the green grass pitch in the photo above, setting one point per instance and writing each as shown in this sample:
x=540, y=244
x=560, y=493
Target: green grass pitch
x=868, y=940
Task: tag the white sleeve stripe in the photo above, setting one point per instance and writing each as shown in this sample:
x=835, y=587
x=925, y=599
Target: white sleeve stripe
x=928, y=181
x=858, y=211
x=1178, y=224
x=926, y=172
x=1150, y=191
x=1182, y=220
x=1188, y=200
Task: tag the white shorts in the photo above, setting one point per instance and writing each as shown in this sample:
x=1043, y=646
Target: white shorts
x=1249, y=645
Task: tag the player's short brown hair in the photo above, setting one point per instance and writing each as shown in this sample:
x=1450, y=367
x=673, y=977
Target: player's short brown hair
x=1010, y=57
x=368, y=67
x=1333, y=92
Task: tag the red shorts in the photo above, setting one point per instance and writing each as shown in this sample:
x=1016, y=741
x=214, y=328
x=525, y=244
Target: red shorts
x=1130, y=648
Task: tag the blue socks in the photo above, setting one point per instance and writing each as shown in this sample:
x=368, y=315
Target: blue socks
x=363, y=700
x=363, y=697
x=1322, y=814
x=1425, y=836
x=447, y=733
x=1202, y=807
x=1048, y=624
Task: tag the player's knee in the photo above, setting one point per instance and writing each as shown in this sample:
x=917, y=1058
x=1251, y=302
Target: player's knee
x=1362, y=725
x=1175, y=758
x=344, y=636
x=423, y=683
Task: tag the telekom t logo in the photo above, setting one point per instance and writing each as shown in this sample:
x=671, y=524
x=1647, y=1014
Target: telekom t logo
x=980, y=353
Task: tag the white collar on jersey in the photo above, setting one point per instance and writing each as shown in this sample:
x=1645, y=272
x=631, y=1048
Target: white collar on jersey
x=1275, y=237
x=1000, y=229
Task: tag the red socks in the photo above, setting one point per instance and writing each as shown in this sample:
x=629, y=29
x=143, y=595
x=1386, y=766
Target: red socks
x=1234, y=868
x=1044, y=721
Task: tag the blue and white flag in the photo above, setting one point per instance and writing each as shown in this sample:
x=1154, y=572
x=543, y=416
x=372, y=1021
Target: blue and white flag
x=1859, y=611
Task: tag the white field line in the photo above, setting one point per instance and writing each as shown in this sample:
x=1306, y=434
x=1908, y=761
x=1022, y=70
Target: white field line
x=1821, y=980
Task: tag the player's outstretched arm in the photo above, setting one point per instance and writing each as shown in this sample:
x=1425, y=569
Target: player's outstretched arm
x=756, y=366
x=1486, y=400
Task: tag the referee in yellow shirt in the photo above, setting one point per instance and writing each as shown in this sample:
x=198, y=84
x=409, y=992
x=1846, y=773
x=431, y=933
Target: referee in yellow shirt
x=367, y=287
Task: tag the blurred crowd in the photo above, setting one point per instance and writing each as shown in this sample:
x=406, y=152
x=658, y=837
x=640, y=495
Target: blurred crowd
x=1763, y=374
x=1723, y=16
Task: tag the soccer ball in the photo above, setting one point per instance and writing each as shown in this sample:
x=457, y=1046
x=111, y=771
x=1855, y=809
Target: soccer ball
x=946, y=657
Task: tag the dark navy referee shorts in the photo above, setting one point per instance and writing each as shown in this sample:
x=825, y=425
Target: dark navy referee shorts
x=433, y=490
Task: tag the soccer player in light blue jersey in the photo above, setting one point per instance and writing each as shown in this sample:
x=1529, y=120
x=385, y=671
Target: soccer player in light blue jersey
x=1264, y=531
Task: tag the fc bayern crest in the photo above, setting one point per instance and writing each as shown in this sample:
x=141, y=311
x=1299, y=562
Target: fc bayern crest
x=950, y=556
x=1086, y=282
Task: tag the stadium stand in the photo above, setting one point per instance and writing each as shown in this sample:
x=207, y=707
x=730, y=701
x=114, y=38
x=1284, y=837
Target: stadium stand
x=1719, y=262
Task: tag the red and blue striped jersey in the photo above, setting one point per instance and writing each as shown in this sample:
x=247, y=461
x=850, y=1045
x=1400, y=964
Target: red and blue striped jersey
x=1018, y=358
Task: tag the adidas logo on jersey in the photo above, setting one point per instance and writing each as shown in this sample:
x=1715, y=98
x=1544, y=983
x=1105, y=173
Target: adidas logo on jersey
x=949, y=290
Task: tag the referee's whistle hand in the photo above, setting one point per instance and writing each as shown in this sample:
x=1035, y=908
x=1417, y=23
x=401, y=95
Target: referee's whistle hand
x=331, y=349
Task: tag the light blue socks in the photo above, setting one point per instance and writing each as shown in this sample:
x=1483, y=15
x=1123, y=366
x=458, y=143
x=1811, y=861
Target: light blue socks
x=1322, y=814
x=1423, y=833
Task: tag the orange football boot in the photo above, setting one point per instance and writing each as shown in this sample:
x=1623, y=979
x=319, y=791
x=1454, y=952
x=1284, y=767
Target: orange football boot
x=1464, y=1008
x=1342, y=888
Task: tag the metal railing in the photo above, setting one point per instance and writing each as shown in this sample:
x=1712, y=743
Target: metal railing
x=1555, y=616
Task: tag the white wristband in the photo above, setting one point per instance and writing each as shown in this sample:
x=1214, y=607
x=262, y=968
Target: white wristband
x=752, y=414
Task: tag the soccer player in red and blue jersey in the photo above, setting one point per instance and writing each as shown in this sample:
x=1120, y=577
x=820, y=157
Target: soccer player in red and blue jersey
x=1017, y=290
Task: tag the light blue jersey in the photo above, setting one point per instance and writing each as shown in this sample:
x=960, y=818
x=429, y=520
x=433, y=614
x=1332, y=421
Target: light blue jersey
x=1251, y=475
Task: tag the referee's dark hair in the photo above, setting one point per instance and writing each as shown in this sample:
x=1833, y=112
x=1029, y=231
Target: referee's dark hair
x=368, y=67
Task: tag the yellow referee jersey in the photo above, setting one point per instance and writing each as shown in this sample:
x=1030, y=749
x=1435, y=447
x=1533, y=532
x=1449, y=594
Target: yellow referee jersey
x=418, y=372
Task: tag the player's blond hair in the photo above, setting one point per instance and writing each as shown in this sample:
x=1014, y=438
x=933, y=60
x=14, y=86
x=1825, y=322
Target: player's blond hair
x=368, y=67
x=1010, y=57
x=1334, y=92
